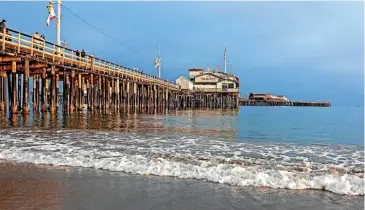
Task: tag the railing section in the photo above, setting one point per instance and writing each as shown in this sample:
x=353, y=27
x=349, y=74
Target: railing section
x=47, y=49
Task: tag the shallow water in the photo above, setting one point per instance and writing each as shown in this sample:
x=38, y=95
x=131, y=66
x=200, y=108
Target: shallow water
x=287, y=148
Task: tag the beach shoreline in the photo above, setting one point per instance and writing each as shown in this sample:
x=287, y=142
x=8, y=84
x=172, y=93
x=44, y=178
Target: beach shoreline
x=29, y=186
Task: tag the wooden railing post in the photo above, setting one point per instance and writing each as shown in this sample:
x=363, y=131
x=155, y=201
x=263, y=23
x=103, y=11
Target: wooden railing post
x=72, y=57
x=53, y=52
x=19, y=42
x=3, y=39
x=44, y=48
x=31, y=46
x=59, y=55
x=63, y=55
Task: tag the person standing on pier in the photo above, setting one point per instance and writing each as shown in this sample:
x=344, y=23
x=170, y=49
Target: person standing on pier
x=43, y=38
x=83, y=54
x=36, y=38
x=2, y=24
x=2, y=27
x=78, y=55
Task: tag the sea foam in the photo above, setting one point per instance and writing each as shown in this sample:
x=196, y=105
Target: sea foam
x=238, y=164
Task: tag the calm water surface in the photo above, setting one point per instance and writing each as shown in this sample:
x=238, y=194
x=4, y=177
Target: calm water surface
x=212, y=154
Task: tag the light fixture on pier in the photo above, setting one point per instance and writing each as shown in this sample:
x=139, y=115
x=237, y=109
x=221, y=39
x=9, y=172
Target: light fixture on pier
x=50, y=7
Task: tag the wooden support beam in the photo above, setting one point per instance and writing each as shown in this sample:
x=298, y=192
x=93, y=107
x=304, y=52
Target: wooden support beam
x=54, y=95
x=19, y=91
x=10, y=59
x=57, y=88
x=77, y=85
x=91, y=91
x=72, y=91
x=21, y=66
x=44, y=91
x=2, y=91
x=35, y=92
x=14, y=105
x=26, y=88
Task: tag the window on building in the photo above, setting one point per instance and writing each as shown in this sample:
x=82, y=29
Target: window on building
x=230, y=85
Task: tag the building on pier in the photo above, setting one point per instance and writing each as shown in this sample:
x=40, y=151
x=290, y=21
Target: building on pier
x=208, y=81
x=185, y=83
x=267, y=97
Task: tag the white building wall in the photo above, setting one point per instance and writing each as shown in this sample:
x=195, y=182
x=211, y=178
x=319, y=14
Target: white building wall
x=191, y=85
x=184, y=83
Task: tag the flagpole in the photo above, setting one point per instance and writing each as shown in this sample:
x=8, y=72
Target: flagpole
x=58, y=26
x=225, y=60
x=159, y=60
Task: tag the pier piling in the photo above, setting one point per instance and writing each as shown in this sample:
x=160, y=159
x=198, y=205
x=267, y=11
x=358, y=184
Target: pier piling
x=26, y=87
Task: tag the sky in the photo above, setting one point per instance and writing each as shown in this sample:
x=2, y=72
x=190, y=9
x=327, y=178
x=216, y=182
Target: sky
x=303, y=50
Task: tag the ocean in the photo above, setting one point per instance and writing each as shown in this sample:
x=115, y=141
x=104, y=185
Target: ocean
x=249, y=158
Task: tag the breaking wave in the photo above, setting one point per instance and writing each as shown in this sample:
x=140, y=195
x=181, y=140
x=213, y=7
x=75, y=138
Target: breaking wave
x=337, y=169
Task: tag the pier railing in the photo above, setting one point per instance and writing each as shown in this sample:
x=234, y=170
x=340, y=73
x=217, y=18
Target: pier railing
x=19, y=42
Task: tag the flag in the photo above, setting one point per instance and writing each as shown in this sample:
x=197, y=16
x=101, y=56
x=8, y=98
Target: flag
x=157, y=63
x=225, y=53
x=51, y=16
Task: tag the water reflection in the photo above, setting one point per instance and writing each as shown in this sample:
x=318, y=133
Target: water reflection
x=218, y=123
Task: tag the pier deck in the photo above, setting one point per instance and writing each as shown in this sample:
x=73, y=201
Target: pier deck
x=105, y=85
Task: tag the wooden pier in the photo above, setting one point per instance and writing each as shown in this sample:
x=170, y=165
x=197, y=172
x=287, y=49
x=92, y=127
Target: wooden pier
x=247, y=102
x=90, y=81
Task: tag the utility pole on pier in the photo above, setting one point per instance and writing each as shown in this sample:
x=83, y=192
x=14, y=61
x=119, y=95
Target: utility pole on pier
x=158, y=62
x=58, y=24
x=225, y=60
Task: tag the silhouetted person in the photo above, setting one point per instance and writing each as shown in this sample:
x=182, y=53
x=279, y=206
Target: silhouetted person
x=2, y=26
x=77, y=55
x=83, y=54
x=42, y=38
x=36, y=40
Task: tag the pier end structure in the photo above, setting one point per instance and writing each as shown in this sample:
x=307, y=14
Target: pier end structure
x=209, y=89
x=267, y=99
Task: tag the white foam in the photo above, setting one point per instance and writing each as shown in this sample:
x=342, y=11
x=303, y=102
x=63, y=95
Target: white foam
x=239, y=164
x=220, y=173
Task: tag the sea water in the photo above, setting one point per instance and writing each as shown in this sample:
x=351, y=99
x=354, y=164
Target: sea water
x=289, y=148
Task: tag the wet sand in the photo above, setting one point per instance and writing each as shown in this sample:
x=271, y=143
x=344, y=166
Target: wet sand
x=27, y=186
